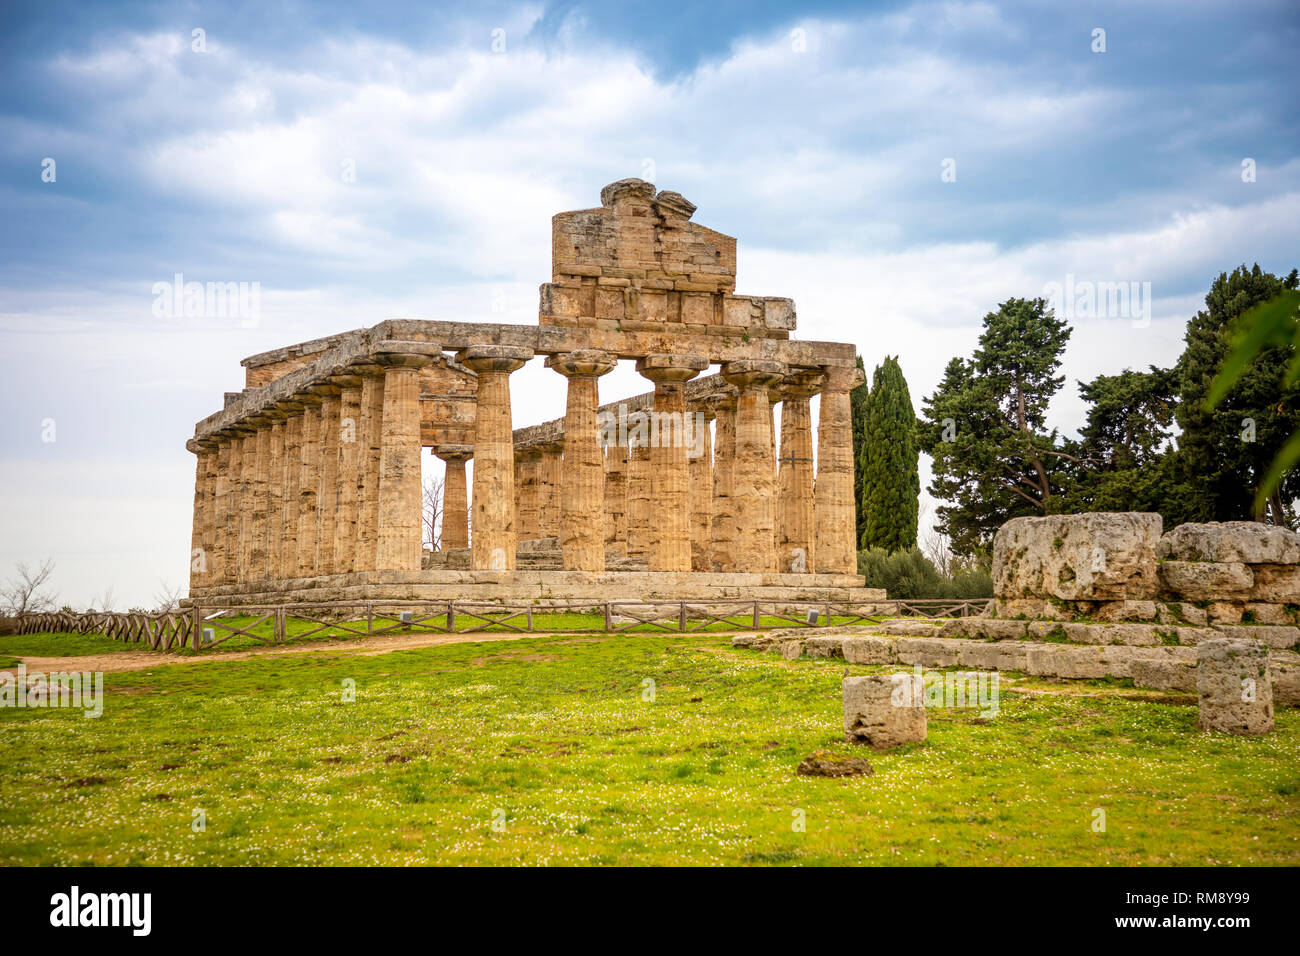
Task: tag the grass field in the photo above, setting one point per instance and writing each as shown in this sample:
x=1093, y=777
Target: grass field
x=550, y=750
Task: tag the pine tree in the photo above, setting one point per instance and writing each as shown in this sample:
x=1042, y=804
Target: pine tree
x=986, y=426
x=891, y=486
x=858, y=421
x=1224, y=452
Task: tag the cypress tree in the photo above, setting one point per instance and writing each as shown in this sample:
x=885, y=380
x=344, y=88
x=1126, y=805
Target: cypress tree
x=858, y=420
x=891, y=484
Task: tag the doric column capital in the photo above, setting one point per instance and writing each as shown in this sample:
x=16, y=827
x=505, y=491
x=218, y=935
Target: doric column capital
x=349, y=379
x=800, y=385
x=666, y=367
x=592, y=362
x=842, y=378
x=494, y=358
x=308, y=398
x=454, y=452
x=391, y=353
x=324, y=389
x=754, y=373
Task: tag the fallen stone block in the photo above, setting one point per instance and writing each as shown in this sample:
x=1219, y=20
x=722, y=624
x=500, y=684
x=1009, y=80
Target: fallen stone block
x=1242, y=542
x=884, y=710
x=912, y=628
x=791, y=650
x=1233, y=686
x=1165, y=675
x=824, y=646
x=1279, y=638
x=929, y=651
x=1099, y=556
x=823, y=763
x=1285, y=675
x=1064, y=661
x=869, y=650
x=1206, y=580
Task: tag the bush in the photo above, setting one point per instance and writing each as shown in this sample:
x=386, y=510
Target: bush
x=908, y=575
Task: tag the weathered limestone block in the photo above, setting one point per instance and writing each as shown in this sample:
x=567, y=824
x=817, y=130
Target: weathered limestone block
x=1234, y=687
x=1125, y=611
x=869, y=650
x=988, y=628
x=1182, y=613
x=1225, y=612
x=1065, y=661
x=1100, y=556
x=1231, y=542
x=914, y=628
x=1276, y=614
x=1165, y=675
x=1276, y=584
x=929, y=651
x=884, y=710
x=1129, y=634
x=1280, y=638
x=1285, y=674
x=792, y=650
x=1206, y=581
x=824, y=646
x=994, y=655
x=1028, y=608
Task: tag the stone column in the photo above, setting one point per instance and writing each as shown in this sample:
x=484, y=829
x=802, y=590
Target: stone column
x=345, y=510
x=308, y=483
x=495, y=535
x=701, y=469
x=400, y=490
x=670, y=483
x=289, y=484
x=638, y=496
x=550, y=475
x=834, y=509
x=794, y=521
x=368, y=455
x=241, y=455
x=722, y=529
x=205, y=478
x=582, y=481
x=528, y=462
x=218, y=561
x=754, y=475
x=455, y=497
x=260, y=492
x=328, y=469
x=274, y=495
x=616, y=498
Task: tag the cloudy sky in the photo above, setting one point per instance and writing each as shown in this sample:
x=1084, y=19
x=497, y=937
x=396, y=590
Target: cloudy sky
x=897, y=168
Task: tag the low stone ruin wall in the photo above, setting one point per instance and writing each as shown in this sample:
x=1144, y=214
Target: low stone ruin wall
x=1120, y=567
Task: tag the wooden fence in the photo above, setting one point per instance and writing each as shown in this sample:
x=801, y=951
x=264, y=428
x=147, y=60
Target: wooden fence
x=202, y=628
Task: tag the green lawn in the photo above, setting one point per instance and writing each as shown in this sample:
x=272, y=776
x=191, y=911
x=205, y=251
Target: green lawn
x=551, y=739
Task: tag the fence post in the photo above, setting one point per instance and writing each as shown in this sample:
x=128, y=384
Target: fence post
x=609, y=620
x=757, y=619
x=681, y=617
x=530, y=617
x=370, y=619
x=196, y=629
x=451, y=617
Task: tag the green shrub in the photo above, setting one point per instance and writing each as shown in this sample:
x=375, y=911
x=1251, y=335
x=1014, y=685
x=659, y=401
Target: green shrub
x=909, y=575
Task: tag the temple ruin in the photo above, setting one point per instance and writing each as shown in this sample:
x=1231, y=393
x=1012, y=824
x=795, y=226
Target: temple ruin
x=308, y=482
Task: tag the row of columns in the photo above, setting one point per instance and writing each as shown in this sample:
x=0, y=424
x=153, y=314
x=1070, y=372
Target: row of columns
x=326, y=482
x=735, y=507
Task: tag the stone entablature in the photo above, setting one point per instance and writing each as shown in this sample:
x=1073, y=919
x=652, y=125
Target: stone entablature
x=313, y=469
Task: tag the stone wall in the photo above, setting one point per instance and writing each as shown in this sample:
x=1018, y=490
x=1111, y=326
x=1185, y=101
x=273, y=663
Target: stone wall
x=1119, y=567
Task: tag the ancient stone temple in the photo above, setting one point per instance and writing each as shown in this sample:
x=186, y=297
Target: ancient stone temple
x=308, y=481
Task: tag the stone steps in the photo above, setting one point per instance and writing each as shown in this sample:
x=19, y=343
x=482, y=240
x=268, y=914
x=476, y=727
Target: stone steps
x=1276, y=637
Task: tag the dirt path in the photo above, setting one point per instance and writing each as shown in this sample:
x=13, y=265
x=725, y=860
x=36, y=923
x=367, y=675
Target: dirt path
x=144, y=660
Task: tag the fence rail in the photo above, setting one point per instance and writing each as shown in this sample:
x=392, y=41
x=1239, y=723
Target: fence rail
x=202, y=628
